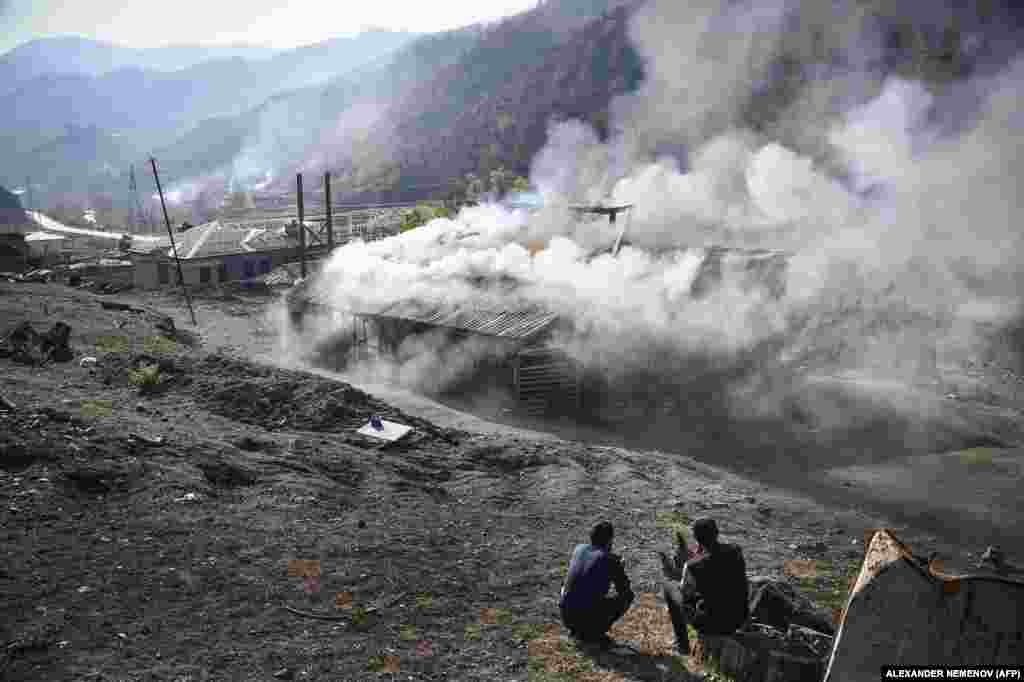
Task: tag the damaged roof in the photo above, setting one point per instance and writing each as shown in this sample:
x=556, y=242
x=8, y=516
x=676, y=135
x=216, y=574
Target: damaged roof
x=217, y=239
x=518, y=324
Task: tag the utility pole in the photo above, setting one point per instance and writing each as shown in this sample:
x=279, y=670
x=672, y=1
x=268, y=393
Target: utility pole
x=302, y=226
x=330, y=218
x=174, y=248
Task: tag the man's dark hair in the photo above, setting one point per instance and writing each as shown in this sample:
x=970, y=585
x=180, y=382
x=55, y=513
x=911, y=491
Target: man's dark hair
x=601, y=534
x=706, y=532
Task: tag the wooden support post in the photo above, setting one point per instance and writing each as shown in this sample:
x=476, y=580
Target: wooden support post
x=302, y=225
x=327, y=203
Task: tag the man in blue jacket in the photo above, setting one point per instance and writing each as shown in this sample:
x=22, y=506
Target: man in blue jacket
x=587, y=610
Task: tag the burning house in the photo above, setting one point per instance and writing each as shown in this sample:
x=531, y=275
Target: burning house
x=493, y=338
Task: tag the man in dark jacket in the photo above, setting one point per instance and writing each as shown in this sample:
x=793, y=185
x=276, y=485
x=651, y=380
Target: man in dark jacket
x=713, y=590
x=587, y=610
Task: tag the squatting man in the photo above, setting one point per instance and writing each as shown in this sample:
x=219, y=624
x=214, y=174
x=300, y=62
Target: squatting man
x=708, y=590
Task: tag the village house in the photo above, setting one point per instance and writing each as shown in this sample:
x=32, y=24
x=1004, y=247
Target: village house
x=13, y=226
x=214, y=253
x=46, y=249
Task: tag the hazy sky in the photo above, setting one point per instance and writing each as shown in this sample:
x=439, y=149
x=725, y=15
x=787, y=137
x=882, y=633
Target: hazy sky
x=277, y=23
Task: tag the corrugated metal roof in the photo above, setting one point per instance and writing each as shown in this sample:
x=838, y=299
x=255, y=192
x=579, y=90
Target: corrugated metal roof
x=509, y=324
x=44, y=237
x=218, y=239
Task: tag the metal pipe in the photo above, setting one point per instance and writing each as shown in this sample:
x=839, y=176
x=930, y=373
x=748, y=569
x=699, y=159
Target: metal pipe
x=174, y=248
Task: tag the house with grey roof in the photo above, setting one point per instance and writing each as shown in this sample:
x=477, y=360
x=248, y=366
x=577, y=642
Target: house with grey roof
x=214, y=253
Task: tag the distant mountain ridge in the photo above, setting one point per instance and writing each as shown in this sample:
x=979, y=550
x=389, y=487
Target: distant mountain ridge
x=87, y=57
x=149, y=108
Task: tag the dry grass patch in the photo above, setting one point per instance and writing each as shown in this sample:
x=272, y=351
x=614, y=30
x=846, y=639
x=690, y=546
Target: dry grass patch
x=648, y=625
x=552, y=659
x=344, y=600
x=491, y=616
x=800, y=568
x=384, y=664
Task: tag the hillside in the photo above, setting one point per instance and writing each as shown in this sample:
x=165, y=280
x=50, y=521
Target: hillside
x=492, y=108
x=168, y=521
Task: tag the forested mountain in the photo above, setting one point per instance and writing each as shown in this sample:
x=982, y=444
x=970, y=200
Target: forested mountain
x=404, y=123
x=491, y=109
x=149, y=109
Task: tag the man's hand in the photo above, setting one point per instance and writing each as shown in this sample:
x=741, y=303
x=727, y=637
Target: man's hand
x=669, y=568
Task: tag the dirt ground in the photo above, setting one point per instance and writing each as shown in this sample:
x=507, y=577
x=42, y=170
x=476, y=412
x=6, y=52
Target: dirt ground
x=162, y=532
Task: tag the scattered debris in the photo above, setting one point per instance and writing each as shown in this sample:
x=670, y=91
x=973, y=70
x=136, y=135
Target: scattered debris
x=762, y=653
x=384, y=430
x=250, y=444
x=25, y=345
x=87, y=361
x=994, y=560
x=117, y=305
x=778, y=605
x=145, y=440
x=7, y=404
x=226, y=473
x=41, y=275
x=189, y=497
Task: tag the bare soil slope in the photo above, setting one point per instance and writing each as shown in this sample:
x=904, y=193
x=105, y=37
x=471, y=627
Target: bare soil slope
x=152, y=535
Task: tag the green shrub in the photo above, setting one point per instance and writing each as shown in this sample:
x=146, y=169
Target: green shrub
x=422, y=214
x=360, y=618
x=159, y=344
x=112, y=344
x=976, y=456
x=524, y=632
x=144, y=378
x=96, y=408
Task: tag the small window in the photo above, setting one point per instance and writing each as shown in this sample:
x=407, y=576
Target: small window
x=164, y=273
x=266, y=265
x=204, y=275
x=222, y=272
x=249, y=269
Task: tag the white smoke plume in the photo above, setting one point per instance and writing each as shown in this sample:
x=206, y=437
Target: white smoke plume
x=901, y=231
